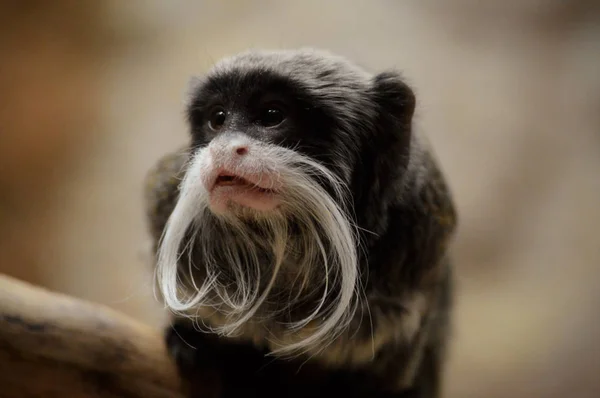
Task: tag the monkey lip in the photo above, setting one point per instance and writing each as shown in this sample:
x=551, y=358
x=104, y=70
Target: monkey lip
x=253, y=191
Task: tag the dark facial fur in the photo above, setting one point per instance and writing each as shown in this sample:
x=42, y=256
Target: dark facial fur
x=381, y=177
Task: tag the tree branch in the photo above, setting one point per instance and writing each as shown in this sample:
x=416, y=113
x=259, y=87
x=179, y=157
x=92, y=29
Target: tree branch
x=55, y=345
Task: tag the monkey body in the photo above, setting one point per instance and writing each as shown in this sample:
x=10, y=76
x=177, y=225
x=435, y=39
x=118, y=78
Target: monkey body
x=395, y=324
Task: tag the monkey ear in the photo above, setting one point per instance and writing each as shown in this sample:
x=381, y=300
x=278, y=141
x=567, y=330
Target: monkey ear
x=394, y=96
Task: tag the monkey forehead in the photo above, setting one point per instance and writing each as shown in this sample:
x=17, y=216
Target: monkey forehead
x=324, y=78
x=305, y=64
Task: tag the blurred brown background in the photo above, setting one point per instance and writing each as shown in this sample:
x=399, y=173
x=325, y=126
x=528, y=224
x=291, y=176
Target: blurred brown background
x=509, y=95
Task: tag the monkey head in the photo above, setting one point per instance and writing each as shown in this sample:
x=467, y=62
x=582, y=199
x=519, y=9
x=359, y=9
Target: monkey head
x=294, y=158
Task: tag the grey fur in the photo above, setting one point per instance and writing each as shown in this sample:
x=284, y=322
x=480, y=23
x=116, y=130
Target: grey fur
x=397, y=198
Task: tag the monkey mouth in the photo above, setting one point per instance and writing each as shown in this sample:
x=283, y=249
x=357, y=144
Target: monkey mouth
x=231, y=180
x=251, y=191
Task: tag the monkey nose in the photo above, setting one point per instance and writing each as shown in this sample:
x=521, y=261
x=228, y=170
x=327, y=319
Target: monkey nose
x=240, y=149
x=230, y=148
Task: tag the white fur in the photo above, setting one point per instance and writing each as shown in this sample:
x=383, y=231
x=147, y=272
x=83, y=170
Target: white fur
x=228, y=236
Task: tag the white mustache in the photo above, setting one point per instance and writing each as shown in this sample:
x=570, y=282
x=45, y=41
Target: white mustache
x=229, y=237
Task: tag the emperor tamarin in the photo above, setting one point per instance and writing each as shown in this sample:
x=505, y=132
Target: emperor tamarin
x=301, y=237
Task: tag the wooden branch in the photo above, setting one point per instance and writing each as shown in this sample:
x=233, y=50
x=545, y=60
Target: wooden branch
x=52, y=345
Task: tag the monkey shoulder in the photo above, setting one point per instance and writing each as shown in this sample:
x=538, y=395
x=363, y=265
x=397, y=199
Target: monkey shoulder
x=161, y=189
x=432, y=197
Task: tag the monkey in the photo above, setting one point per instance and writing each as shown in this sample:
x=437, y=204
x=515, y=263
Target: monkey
x=302, y=236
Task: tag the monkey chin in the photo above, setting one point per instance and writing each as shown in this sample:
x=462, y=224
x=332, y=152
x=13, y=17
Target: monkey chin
x=229, y=199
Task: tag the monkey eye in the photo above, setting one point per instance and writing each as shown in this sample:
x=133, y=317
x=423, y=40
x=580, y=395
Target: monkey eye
x=217, y=119
x=272, y=116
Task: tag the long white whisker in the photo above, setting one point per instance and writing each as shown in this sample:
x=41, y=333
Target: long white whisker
x=241, y=270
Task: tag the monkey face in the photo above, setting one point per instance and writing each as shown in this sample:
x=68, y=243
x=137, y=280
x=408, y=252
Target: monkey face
x=288, y=152
x=260, y=141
